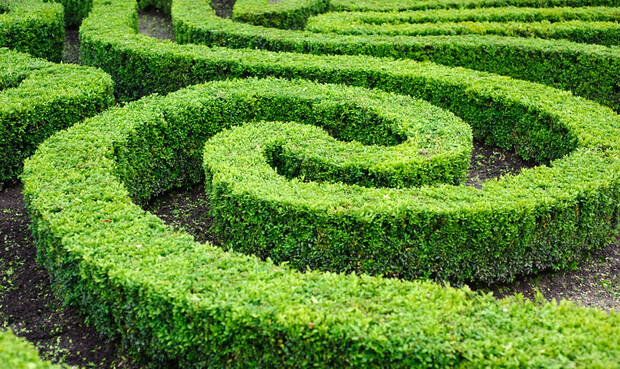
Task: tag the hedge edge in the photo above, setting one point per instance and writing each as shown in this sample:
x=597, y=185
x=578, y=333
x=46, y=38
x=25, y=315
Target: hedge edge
x=38, y=98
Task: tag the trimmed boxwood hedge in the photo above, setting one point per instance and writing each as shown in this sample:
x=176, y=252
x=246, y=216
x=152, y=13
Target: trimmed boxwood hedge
x=194, y=305
x=587, y=70
x=33, y=27
x=504, y=14
x=590, y=25
x=16, y=353
x=399, y=5
x=545, y=217
x=37, y=98
x=288, y=14
x=141, y=65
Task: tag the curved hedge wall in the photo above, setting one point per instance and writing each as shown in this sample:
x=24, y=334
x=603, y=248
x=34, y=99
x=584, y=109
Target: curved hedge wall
x=33, y=27
x=288, y=14
x=16, y=353
x=588, y=25
x=38, y=98
x=181, y=303
x=399, y=5
x=587, y=70
x=205, y=307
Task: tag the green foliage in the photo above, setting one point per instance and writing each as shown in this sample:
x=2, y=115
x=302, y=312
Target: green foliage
x=510, y=227
x=75, y=10
x=171, y=299
x=16, y=353
x=32, y=27
x=181, y=303
x=288, y=14
x=141, y=65
x=589, y=25
x=587, y=70
x=38, y=98
x=397, y=5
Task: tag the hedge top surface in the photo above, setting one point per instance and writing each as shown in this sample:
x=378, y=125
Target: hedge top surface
x=398, y=5
x=17, y=11
x=198, y=306
x=504, y=14
x=288, y=14
x=404, y=142
x=32, y=26
x=37, y=98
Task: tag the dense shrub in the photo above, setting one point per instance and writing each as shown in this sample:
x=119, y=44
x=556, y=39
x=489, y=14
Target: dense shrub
x=589, y=25
x=396, y=5
x=170, y=298
x=587, y=70
x=16, y=353
x=181, y=303
x=37, y=98
x=289, y=14
x=141, y=65
x=33, y=27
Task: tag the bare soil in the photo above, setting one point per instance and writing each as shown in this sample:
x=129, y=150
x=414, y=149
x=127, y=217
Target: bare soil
x=154, y=23
x=29, y=307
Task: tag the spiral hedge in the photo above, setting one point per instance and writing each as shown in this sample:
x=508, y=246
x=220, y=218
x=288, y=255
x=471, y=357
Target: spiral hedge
x=332, y=177
x=588, y=70
x=33, y=27
x=16, y=353
x=400, y=5
x=206, y=307
x=38, y=98
x=587, y=24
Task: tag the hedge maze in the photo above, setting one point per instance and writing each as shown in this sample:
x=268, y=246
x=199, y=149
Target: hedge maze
x=333, y=138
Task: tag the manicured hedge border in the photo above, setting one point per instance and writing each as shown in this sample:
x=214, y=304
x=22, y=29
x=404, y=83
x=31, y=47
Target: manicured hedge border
x=504, y=14
x=399, y=5
x=144, y=65
x=33, y=27
x=587, y=70
x=287, y=14
x=171, y=299
x=75, y=10
x=16, y=353
x=543, y=218
x=37, y=98
x=141, y=65
x=599, y=32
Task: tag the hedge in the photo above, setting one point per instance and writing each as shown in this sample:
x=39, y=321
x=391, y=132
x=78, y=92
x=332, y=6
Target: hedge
x=37, y=98
x=75, y=11
x=590, y=25
x=194, y=305
x=289, y=14
x=399, y=5
x=587, y=70
x=32, y=27
x=141, y=65
x=504, y=14
x=515, y=226
x=16, y=353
